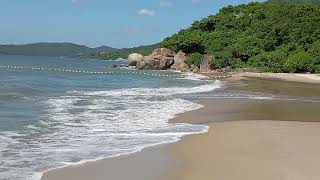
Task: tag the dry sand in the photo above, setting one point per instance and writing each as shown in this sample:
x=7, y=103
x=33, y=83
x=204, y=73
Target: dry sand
x=272, y=146
x=251, y=150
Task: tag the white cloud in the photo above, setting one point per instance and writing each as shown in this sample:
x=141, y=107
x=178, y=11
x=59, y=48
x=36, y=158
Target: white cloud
x=146, y=12
x=166, y=4
x=195, y=1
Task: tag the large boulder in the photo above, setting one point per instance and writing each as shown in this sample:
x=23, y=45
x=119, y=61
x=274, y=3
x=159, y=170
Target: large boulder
x=134, y=58
x=180, y=62
x=160, y=59
x=205, y=66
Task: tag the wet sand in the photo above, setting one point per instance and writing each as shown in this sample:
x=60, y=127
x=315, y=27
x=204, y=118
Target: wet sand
x=154, y=163
x=238, y=110
x=293, y=77
x=275, y=87
x=248, y=139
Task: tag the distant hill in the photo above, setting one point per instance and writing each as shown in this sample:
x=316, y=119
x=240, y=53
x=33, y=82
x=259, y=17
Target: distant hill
x=293, y=1
x=102, y=49
x=125, y=52
x=52, y=49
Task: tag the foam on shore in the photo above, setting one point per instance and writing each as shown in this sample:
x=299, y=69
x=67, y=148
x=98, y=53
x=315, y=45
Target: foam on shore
x=90, y=125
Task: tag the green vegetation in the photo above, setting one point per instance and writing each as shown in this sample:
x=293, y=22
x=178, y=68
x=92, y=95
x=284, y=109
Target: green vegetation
x=124, y=53
x=299, y=62
x=274, y=37
x=195, y=59
x=293, y=1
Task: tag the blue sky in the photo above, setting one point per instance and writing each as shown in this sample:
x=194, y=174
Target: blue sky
x=116, y=23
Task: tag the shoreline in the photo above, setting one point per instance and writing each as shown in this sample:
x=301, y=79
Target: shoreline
x=40, y=175
x=291, y=77
x=85, y=162
x=66, y=172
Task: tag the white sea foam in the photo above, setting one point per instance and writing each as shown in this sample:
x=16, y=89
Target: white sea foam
x=261, y=97
x=155, y=91
x=89, y=125
x=194, y=76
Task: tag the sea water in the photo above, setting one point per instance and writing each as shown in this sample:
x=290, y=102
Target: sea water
x=62, y=111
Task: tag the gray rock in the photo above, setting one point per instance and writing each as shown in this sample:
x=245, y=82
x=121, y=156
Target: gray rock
x=179, y=62
x=160, y=59
x=141, y=65
x=134, y=58
x=205, y=66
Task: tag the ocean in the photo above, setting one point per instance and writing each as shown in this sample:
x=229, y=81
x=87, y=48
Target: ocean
x=56, y=112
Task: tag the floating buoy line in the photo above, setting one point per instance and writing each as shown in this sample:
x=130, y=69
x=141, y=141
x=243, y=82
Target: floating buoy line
x=66, y=70
x=46, y=69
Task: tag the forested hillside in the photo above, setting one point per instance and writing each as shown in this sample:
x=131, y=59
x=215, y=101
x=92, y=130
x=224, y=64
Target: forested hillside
x=293, y=1
x=268, y=36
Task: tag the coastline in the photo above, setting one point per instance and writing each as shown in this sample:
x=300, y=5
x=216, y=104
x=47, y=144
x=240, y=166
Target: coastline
x=166, y=161
x=292, y=77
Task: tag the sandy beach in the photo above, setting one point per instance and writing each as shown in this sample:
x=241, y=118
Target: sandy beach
x=248, y=139
x=293, y=77
x=251, y=150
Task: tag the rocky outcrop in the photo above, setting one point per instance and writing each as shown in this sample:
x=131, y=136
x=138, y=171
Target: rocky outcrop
x=179, y=62
x=163, y=59
x=160, y=59
x=205, y=66
x=134, y=58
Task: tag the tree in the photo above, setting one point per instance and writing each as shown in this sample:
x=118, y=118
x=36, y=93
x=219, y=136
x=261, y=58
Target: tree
x=187, y=41
x=195, y=59
x=314, y=51
x=300, y=62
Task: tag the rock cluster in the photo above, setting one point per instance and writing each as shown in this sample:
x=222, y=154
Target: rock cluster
x=163, y=58
x=160, y=59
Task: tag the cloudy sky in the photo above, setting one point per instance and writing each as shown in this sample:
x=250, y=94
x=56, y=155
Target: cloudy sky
x=117, y=23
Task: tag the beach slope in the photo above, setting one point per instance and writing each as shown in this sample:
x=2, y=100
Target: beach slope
x=250, y=150
x=249, y=139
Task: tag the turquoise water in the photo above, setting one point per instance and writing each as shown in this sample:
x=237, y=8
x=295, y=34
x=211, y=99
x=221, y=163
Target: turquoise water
x=61, y=111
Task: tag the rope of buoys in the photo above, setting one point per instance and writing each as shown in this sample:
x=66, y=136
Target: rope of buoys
x=85, y=72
